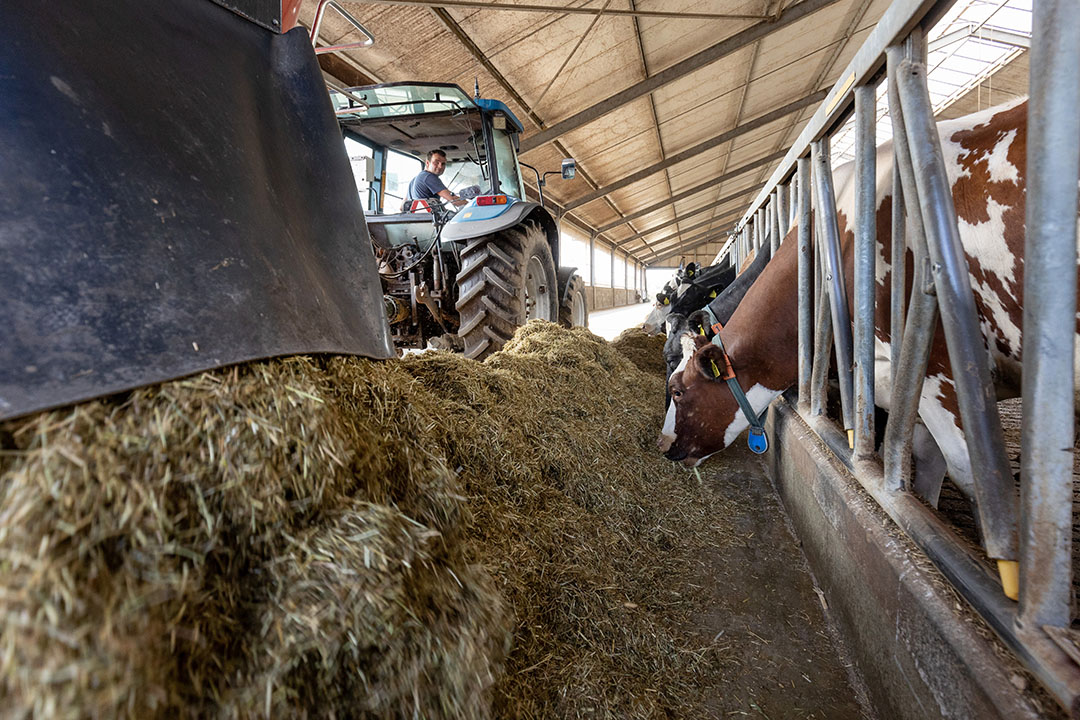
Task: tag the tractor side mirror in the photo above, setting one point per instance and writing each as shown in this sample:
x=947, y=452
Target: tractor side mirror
x=569, y=169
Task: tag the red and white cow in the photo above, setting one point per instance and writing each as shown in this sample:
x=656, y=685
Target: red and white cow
x=985, y=158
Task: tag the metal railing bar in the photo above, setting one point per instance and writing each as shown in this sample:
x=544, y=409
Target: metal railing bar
x=806, y=290
x=783, y=209
x=993, y=483
x=834, y=277
x=823, y=329
x=865, y=266
x=898, y=270
x=913, y=352
x=1046, y=455
x=774, y=222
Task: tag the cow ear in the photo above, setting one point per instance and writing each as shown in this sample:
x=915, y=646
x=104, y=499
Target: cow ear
x=709, y=361
x=698, y=321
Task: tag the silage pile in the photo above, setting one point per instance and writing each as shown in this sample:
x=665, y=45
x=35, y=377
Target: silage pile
x=430, y=537
x=645, y=351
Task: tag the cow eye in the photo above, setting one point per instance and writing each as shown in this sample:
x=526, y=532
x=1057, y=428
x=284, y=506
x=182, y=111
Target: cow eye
x=676, y=393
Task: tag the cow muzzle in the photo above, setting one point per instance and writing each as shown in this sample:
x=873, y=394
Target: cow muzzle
x=675, y=454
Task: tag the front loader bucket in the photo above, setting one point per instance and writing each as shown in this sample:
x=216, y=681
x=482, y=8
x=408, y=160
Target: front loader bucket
x=174, y=197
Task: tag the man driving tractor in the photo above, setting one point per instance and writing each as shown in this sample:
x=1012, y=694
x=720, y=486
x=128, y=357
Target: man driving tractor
x=427, y=184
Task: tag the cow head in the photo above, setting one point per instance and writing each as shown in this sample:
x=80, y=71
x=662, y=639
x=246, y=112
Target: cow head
x=654, y=323
x=678, y=324
x=702, y=408
x=704, y=417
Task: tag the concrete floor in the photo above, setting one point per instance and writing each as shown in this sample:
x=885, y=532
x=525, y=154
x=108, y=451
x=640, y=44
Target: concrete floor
x=609, y=323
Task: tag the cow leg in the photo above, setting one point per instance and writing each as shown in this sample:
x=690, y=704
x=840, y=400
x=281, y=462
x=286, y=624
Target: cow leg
x=929, y=465
x=944, y=427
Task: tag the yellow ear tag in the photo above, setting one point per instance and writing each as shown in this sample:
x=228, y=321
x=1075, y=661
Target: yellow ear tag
x=701, y=330
x=715, y=370
x=712, y=294
x=666, y=301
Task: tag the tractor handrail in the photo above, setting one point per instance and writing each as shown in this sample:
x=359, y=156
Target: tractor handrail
x=327, y=49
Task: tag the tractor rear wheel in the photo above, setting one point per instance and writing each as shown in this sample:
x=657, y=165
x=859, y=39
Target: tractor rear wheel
x=506, y=279
x=573, y=309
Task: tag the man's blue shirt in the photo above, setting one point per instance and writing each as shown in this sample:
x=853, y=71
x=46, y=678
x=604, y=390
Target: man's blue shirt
x=425, y=185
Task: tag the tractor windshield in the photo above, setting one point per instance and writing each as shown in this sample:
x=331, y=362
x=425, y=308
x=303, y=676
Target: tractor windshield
x=462, y=173
x=395, y=100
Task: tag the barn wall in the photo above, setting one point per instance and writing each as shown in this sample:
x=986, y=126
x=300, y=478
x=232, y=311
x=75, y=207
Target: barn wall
x=605, y=298
x=917, y=651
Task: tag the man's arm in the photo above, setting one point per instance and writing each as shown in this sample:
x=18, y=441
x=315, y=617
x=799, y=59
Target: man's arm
x=451, y=197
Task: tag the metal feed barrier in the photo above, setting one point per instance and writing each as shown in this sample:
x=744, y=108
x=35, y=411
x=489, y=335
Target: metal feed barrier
x=1030, y=534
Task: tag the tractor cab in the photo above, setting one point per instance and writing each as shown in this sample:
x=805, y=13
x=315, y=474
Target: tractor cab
x=389, y=130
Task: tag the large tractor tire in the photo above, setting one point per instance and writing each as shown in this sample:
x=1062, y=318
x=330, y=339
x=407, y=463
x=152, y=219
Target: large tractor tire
x=573, y=308
x=506, y=279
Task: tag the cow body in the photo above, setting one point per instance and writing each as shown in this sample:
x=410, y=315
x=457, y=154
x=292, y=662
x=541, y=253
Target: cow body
x=985, y=160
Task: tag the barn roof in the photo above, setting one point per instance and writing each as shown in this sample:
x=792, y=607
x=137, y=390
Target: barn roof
x=677, y=112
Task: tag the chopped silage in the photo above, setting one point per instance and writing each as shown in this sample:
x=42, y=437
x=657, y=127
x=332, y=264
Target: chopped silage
x=426, y=537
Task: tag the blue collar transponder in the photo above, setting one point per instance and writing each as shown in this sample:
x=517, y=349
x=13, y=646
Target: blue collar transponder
x=756, y=439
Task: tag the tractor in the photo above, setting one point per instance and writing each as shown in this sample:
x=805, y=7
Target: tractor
x=465, y=279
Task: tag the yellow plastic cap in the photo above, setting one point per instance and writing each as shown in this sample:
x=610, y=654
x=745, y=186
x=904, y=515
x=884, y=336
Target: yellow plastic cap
x=1009, y=570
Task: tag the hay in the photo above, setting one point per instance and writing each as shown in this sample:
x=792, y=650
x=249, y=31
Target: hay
x=645, y=351
x=428, y=537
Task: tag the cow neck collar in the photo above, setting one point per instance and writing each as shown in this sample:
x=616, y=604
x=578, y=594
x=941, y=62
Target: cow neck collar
x=757, y=439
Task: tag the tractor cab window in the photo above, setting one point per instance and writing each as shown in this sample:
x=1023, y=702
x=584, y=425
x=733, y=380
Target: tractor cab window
x=508, y=170
x=362, y=161
x=400, y=170
x=463, y=171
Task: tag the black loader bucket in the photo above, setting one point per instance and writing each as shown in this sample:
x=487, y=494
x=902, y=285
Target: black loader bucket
x=174, y=197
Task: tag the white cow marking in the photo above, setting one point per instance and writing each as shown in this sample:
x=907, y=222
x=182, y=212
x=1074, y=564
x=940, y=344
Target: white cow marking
x=1001, y=170
x=759, y=397
x=688, y=348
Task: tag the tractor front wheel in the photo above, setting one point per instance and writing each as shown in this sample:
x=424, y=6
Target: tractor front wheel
x=506, y=279
x=573, y=309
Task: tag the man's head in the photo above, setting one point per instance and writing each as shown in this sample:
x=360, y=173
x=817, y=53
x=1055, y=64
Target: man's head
x=436, y=162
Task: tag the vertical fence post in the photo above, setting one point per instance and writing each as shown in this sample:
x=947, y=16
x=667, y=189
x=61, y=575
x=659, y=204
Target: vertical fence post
x=1046, y=457
x=782, y=209
x=865, y=266
x=837, y=286
x=759, y=229
x=921, y=320
x=806, y=289
x=898, y=269
x=823, y=339
x=612, y=277
x=793, y=200
x=774, y=216
x=592, y=263
x=994, y=490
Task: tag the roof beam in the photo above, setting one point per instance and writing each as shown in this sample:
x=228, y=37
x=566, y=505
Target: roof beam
x=981, y=32
x=564, y=10
x=707, y=185
x=685, y=216
x=451, y=25
x=688, y=242
x=710, y=144
x=679, y=70
x=674, y=236
x=717, y=237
